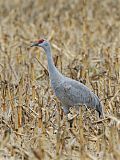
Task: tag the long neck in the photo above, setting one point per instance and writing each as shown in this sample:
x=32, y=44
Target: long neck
x=53, y=72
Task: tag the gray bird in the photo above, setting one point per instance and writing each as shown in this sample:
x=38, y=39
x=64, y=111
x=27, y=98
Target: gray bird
x=70, y=92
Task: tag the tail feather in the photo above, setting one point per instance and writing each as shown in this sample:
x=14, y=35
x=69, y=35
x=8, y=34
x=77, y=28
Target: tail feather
x=99, y=109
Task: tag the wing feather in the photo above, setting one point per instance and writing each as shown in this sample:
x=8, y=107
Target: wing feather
x=74, y=93
x=78, y=93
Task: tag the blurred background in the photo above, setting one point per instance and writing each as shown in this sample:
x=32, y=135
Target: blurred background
x=85, y=40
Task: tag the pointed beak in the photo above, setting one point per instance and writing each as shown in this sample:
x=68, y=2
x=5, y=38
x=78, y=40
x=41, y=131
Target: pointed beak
x=34, y=44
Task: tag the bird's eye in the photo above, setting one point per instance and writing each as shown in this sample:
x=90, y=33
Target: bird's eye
x=46, y=44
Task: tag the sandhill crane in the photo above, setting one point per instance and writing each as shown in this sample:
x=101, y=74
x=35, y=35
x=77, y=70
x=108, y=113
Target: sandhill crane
x=70, y=92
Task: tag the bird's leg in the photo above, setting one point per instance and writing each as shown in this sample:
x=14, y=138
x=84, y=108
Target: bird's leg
x=66, y=110
x=68, y=115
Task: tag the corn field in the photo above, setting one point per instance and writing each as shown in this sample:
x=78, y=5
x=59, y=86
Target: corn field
x=85, y=41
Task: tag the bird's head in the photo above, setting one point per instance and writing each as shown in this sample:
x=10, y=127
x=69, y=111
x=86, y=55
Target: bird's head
x=41, y=43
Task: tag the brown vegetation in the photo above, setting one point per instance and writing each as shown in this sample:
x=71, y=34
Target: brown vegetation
x=85, y=38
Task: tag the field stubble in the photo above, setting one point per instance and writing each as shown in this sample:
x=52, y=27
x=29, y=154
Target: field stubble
x=85, y=38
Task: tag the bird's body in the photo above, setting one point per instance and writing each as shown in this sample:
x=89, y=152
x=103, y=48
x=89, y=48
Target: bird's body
x=73, y=93
x=70, y=92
